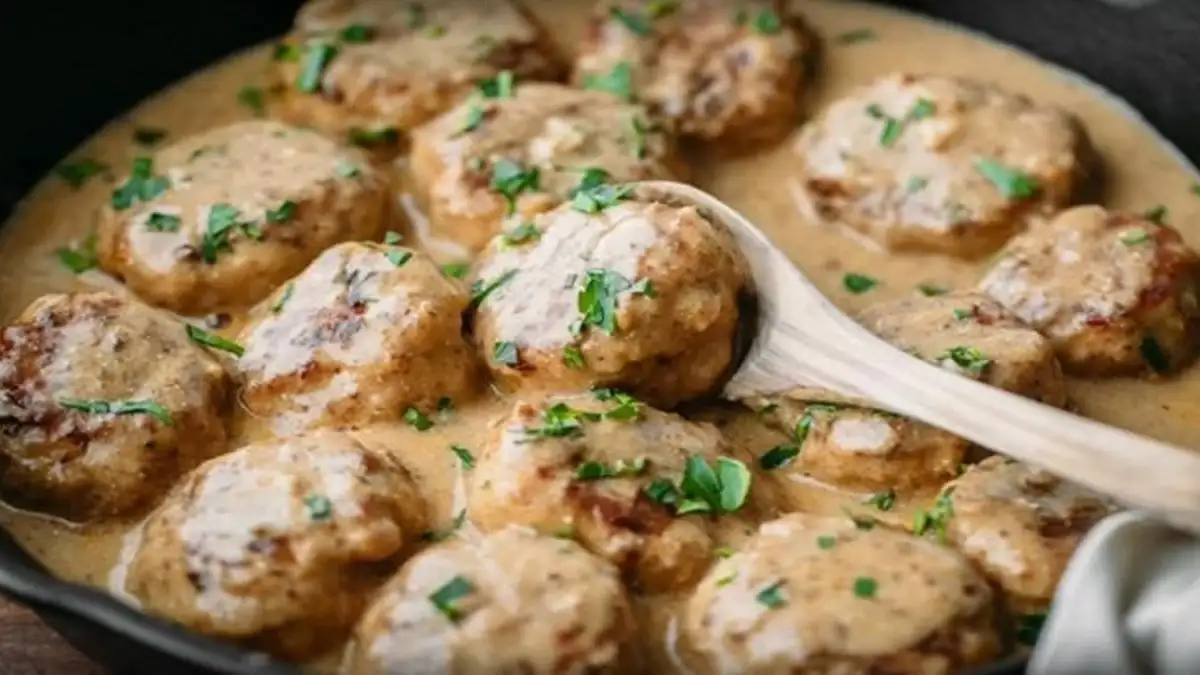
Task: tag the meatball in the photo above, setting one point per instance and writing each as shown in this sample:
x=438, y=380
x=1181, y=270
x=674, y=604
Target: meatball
x=373, y=69
x=104, y=403
x=725, y=72
x=853, y=446
x=608, y=472
x=1115, y=293
x=973, y=335
x=460, y=162
x=366, y=333
x=940, y=164
x=217, y=220
x=1020, y=525
x=277, y=546
x=810, y=594
x=641, y=295
x=510, y=602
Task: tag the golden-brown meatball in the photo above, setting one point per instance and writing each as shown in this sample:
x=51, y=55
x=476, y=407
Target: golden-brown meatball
x=932, y=163
x=367, y=332
x=817, y=595
x=1020, y=526
x=614, y=475
x=973, y=335
x=854, y=447
x=277, y=546
x=509, y=602
x=383, y=65
x=217, y=220
x=1115, y=293
x=104, y=403
x=723, y=71
x=640, y=295
x=460, y=161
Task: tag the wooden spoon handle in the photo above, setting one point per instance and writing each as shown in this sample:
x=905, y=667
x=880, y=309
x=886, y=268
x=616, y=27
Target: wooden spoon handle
x=807, y=341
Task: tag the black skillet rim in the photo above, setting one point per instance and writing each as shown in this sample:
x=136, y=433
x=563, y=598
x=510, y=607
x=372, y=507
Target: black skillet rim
x=1145, y=56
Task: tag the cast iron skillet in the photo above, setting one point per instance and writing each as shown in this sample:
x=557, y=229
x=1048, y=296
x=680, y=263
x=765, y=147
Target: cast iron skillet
x=69, y=67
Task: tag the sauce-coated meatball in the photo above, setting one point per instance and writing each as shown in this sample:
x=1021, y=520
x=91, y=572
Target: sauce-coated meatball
x=1115, y=293
x=460, y=160
x=601, y=470
x=641, y=295
x=104, y=403
x=940, y=164
x=509, y=602
x=370, y=65
x=818, y=595
x=365, y=333
x=855, y=447
x=973, y=335
x=278, y=545
x=217, y=220
x=1020, y=525
x=722, y=71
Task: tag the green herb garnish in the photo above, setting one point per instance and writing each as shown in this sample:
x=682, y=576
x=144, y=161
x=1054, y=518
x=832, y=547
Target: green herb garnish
x=417, y=419
x=207, y=339
x=222, y=219
x=457, y=270
x=931, y=290
x=963, y=314
x=1157, y=214
x=480, y=290
x=148, y=136
x=826, y=542
x=446, y=598
x=767, y=22
x=520, y=234
x=374, y=138
x=510, y=179
x=884, y=501
x=80, y=171
x=779, y=456
x=639, y=137
x=500, y=86
x=254, y=99
x=561, y=421
x=464, y=456
x=865, y=587
x=592, y=470
x=597, y=300
x=81, y=258
x=1134, y=237
x=1011, y=183
x=142, y=185
x=505, y=353
x=967, y=358
x=937, y=517
x=398, y=256
x=316, y=58
x=347, y=169
x=635, y=22
x=858, y=283
x=319, y=507
x=618, y=81
x=356, y=33
x=772, y=597
x=102, y=407
x=282, y=213
x=283, y=298
x=442, y=535
x=573, y=357
x=162, y=222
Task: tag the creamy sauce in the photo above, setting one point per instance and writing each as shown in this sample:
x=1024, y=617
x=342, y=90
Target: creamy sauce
x=1141, y=172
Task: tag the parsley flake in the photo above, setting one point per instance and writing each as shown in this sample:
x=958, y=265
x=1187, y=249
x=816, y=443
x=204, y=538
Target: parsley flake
x=282, y=213
x=505, y=353
x=442, y=535
x=207, y=339
x=162, y=222
x=525, y=232
x=347, y=169
x=222, y=218
x=375, y=137
x=417, y=419
x=639, y=137
x=82, y=257
x=935, y=518
x=102, y=407
x=141, y=185
x=253, y=98
x=932, y=290
x=500, y=86
x=312, y=69
x=969, y=359
x=779, y=456
x=446, y=598
x=773, y=596
x=865, y=587
x=480, y=290
x=573, y=357
x=1156, y=214
x=826, y=542
x=618, y=81
x=1011, y=183
x=319, y=507
x=456, y=270
x=597, y=300
x=592, y=470
x=357, y=33
x=884, y=501
x=283, y=298
x=594, y=194
x=464, y=456
x=635, y=22
x=80, y=171
x=510, y=179
x=767, y=22
x=858, y=283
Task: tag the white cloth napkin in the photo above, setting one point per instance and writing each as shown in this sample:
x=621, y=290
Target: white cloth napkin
x=1129, y=603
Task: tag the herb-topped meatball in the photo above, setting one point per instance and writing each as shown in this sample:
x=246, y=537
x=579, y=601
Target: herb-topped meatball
x=508, y=602
x=852, y=446
x=638, y=487
x=217, y=220
x=104, y=403
x=818, y=595
x=278, y=545
x=515, y=150
x=371, y=70
x=1018, y=524
x=925, y=162
x=724, y=71
x=369, y=332
x=613, y=289
x=973, y=335
x=1115, y=293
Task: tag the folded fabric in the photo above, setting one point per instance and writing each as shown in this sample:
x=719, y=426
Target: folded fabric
x=1128, y=603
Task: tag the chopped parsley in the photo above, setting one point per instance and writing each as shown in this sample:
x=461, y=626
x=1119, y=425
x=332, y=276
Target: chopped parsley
x=474, y=118
x=374, y=138
x=398, y=256
x=1157, y=214
x=445, y=404
x=102, y=407
x=639, y=137
x=207, y=339
x=865, y=587
x=618, y=81
x=660, y=8
x=1134, y=237
x=162, y=222
x=915, y=184
x=417, y=419
x=634, y=21
x=884, y=501
x=772, y=596
x=282, y=213
x=392, y=238
x=500, y=86
x=347, y=169
x=510, y=179
x=480, y=290
x=283, y=298
x=1012, y=183
x=597, y=300
x=505, y=353
x=222, y=219
x=319, y=507
x=937, y=517
x=723, y=552
x=779, y=456
x=80, y=171
x=858, y=283
x=573, y=357
x=464, y=456
x=594, y=193
x=253, y=98
x=446, y=598
x=826, y=542
x=803, y=426
x=356, y=33
x=148, y=136
x=856, y=36
x=142, y=185
x=561, y=421
x=312, y=68
x=703, y=488
x=82, y=257
x=442, y=535
x=963, y=314
x=456, y=270
x=525, y=232
x=893, y=127
x=1029, y=628
x=625, y=406
x=592, y=470
x=287, y=52
x=931, y=290
x=767, y=22
x=969, y=359
x=1152, y=352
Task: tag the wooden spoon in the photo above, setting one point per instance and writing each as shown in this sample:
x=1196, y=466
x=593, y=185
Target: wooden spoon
x=804, y=341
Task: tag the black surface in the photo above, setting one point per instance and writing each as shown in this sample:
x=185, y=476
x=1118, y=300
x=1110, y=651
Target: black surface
x=69, y=67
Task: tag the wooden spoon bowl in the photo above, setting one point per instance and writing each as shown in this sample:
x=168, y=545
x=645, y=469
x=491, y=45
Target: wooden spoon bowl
x=802, y=340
